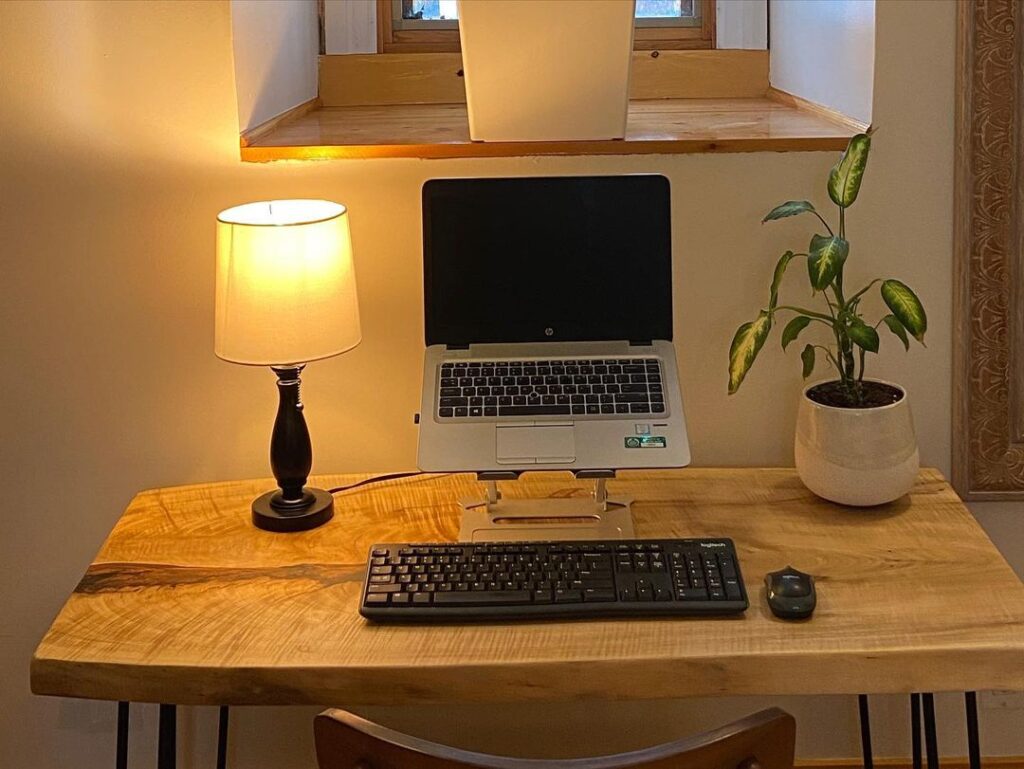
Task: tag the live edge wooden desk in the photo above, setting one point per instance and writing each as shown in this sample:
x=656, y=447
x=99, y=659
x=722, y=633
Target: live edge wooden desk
x=187, y=603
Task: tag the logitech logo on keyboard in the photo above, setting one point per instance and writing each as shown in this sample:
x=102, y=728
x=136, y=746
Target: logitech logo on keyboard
x=712, y=544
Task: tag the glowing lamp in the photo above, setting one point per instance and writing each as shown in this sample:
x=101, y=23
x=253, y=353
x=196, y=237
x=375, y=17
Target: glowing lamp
x=286, y=295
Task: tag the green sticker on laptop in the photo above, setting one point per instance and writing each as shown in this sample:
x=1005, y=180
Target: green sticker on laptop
x=645, y=442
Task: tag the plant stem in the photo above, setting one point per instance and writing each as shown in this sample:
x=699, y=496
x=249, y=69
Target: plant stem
x=861, y=292
x=825, y=223
x=831, y=357
x=808, y=313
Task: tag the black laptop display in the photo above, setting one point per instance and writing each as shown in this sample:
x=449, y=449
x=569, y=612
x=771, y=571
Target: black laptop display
x=547, y=259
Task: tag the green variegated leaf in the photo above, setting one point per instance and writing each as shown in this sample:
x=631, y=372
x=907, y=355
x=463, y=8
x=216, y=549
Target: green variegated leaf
x=825, y=257
x=863, y=335
x=846, y=175
x=793, y=329
x=897, y=328
x=906, y=307
x=746, y=344
x=789, y=208
x=807, y=356
x=780, y=270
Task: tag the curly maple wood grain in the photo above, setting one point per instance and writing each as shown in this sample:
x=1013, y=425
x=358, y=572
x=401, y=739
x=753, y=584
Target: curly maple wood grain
x=988, y=432
x=187, y=602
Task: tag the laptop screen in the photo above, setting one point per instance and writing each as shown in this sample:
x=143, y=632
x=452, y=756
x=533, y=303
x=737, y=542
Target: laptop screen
x=550, y=259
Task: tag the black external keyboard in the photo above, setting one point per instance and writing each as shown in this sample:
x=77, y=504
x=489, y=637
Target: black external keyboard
x=566, y=580
x=575, y=387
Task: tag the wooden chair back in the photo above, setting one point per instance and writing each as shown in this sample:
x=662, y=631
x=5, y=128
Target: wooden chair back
x=763, y=740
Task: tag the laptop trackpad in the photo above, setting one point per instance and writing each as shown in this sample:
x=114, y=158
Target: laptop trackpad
x=535, y=444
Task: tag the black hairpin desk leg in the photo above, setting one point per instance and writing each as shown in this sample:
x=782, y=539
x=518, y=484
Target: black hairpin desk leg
x=930, y=741
x=973, y=743
x=865, y=731
x=167, y=745
x=915, y=729
x=122, y=736
x=222, y=738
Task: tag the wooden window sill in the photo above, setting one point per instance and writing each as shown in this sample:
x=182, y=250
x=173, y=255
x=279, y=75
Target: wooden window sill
x=772, y=123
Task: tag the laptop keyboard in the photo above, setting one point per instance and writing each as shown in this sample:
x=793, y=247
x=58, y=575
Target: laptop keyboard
x=576, y=387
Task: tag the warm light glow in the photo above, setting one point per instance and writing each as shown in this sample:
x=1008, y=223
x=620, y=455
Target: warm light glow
x=286, y=289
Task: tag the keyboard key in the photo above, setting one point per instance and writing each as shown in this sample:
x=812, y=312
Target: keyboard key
x=568, y=596
x=483, y=598
x=598, y=594
x=625, y=397
x=532, y=410
x=384, y=589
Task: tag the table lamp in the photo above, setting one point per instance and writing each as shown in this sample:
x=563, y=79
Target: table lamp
x=286, y=295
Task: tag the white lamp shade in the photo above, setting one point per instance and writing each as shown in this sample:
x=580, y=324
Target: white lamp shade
x=286, y=288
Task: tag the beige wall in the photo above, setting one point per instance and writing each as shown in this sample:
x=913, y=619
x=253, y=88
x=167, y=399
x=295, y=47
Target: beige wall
x=119, y=146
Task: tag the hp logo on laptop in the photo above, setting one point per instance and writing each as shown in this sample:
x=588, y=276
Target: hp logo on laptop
x=549, y=331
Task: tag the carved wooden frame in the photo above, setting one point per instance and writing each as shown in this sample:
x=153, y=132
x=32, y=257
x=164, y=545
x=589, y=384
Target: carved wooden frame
x=988, y=251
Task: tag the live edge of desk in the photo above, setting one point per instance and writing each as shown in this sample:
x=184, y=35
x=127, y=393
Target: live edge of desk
x=187, y=603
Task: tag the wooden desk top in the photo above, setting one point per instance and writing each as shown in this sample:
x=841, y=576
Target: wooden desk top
x=188, y=603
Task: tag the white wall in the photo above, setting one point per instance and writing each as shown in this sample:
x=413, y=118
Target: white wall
x=352, y=25
x=276, y=44
x=824, y=51
x=120, y=145
x=741, y=24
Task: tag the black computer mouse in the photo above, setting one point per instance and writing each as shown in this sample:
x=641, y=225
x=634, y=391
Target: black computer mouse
x=790, y=593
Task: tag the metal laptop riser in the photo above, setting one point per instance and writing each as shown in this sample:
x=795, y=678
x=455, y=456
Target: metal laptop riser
x=495, y=518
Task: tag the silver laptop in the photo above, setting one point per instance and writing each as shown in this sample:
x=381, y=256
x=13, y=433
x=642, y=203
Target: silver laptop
x=548, y=314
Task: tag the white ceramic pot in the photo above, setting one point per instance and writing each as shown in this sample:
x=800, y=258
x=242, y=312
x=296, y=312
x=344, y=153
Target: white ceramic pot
x=856, y=456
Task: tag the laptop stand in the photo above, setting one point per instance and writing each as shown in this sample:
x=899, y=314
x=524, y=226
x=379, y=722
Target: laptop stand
x=495, y=518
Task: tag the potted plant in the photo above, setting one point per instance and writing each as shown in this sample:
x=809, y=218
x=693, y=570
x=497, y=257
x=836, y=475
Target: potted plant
x=855, y=440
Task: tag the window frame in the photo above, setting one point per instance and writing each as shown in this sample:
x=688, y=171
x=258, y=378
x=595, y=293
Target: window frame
x=646, y=37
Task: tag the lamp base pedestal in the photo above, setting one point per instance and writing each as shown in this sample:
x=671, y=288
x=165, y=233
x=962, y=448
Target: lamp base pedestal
x=271, y=513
